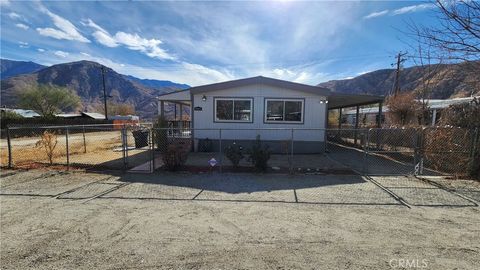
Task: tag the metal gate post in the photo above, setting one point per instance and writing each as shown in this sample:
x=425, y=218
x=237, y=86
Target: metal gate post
x=68, y=152
x=221, y=152
x=152, y=149
x=365, y=151
x=474, y=142
x=124, y=147
x=291, y=153
x=9, y=145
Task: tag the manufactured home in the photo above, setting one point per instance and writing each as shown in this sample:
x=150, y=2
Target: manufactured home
x=276, y=110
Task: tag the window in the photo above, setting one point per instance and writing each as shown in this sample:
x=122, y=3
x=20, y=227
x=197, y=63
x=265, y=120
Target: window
x=233, y=109
x=284, y=110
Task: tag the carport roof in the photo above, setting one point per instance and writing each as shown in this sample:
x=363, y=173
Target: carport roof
x=336, y=101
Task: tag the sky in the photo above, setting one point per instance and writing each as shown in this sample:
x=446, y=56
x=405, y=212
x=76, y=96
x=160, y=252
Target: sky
x=206, y=42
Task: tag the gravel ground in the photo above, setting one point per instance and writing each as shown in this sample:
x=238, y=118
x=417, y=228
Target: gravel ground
x=186, y=222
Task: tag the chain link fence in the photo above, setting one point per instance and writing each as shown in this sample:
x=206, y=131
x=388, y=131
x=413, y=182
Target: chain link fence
x=400, y=151
x=406, y=151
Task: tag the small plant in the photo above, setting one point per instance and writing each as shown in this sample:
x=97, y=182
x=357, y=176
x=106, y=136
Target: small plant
x=259, y=155
x=48, y=141
x=205, y=145
x=175, y=156
x=234, y=154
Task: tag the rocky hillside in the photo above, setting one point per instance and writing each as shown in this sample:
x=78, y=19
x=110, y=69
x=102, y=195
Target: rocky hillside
x=10, y=68
x=444, y=81
x=85, y=78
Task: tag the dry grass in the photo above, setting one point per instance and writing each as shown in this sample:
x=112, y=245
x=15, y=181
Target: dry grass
x=99, y=149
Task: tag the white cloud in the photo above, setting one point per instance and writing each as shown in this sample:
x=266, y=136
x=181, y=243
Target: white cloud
x=41, y=50
x=14, y=15
x=150, y=47
x=65, y=29
x=4, y=2
x=85, y=54
x=23, y=44
x=61, y=54
x=376, y=14
x=414, y=8
x=22, y=26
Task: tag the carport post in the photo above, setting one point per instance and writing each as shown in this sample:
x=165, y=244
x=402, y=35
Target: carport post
x=162, y=109
x=379, y=122
x=339, y=118
x=357, y=113
x=9, y=145
x=68, y=153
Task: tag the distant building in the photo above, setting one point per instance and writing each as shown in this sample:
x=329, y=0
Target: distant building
x=97, y=116
x=125, y=119
x=370, y=115
x=22, y=112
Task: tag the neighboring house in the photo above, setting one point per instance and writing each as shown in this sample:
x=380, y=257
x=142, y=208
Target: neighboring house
x=268, y=107
x=436, y=106
x=22, y=112
x=88, y=115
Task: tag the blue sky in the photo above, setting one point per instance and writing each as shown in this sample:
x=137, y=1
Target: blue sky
x=205, y=42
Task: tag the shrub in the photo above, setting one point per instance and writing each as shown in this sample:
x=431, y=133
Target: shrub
x=48, y=141
x=161, y=137
x=234, y=154
x=259, y=155
x=175, y=156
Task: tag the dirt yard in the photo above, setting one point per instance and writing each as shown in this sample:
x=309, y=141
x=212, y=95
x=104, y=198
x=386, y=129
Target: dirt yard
x=74, y=220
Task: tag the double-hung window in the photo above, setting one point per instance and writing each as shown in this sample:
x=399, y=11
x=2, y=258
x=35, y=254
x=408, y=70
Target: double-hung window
x=233, y=109
x=284, y=110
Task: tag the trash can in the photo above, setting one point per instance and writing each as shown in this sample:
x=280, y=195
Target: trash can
x=141, y=138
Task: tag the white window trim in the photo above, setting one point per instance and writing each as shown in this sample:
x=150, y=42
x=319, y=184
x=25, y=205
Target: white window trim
x=233, y=112
x=283, y=122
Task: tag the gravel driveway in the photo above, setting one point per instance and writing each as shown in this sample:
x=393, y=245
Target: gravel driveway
x=52, y=220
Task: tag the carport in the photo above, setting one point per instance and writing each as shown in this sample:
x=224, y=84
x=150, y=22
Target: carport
x=339, y=101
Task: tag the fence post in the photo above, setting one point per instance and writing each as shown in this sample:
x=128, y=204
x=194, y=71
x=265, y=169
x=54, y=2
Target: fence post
x=152, y=147
x=220, y=145
x=9, y=145
x=124, y=147
x=68, y=152
x=474, y=144
x=365, y=151
x=291, y=153
x=84, y=141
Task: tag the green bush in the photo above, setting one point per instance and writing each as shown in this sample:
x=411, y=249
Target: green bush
x=234, y=154
x=259, y=155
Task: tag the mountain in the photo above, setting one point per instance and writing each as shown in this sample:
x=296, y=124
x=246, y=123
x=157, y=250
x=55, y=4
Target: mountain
x=10, y=68
x=443, y=80
x=157, y=84
x=85, y=78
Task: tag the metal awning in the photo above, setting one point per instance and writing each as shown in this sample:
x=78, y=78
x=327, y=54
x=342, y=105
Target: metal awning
x=337, y=101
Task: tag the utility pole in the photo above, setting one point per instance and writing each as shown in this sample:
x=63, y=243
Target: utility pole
x=104, y=92
x=396, y=85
